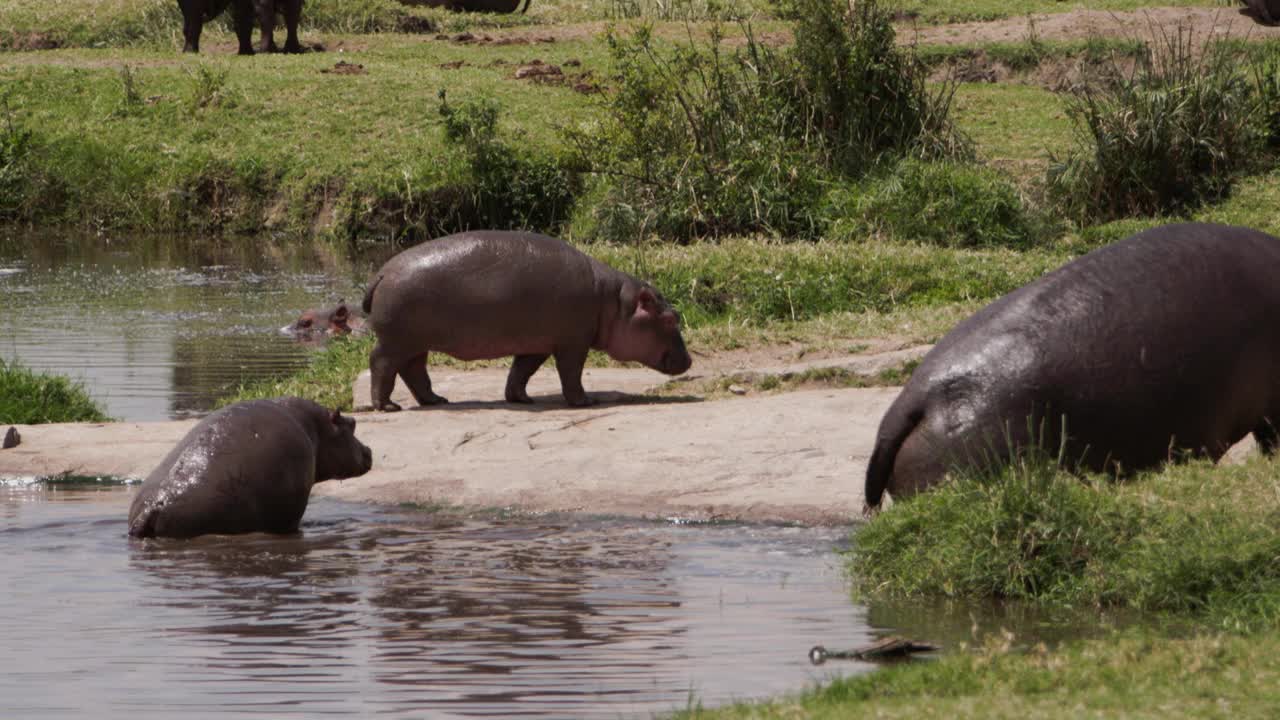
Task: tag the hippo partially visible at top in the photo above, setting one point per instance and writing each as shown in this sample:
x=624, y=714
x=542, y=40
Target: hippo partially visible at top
x=1161, y=345
x=488, y=294
x=248, y=467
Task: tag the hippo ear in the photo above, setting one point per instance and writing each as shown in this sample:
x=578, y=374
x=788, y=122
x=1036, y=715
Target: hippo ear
x=340, y=313
x=646, y=302
x=335, y=417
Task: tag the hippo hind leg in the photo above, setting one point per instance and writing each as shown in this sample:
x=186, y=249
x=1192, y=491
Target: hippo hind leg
x=522, y=368
x=1267, y=436
x=414, y=373
x=382, y=379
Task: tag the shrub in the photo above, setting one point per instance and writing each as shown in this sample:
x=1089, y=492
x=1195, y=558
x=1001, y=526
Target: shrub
x=705, y=141
x=506, y=189
x=30, y=398
x=939, y=203
x=1173, y=133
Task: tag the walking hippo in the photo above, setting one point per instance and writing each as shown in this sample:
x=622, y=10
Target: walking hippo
x=489, y=294
x=248, y=467
x=1161, y=345
x=318, y=323
x=195, y=13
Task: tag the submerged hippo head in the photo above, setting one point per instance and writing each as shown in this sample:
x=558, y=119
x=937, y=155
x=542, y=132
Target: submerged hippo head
x=341, y=455
x=648, y=331
x=321, y=322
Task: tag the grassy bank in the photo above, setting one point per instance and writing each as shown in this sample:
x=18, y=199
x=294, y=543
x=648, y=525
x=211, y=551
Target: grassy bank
x=31, y=398
x=1193, y=546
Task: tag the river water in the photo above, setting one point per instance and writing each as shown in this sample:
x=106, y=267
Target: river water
x=405, y=613
x=368, y=611
x=157, y=327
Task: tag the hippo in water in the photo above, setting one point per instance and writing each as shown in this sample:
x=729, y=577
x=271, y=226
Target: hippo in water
x=248, y=467
x=319, y=323
x=488, y=294
x=1161, y=345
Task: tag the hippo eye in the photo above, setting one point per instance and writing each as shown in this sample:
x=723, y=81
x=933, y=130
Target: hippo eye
x=304, y=323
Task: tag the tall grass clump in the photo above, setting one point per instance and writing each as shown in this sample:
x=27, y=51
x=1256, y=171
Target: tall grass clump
x=31, y=398
x=947, y=204
x=1170, y=134
x=701, y=140
x=1193, y=539
x=506, y=188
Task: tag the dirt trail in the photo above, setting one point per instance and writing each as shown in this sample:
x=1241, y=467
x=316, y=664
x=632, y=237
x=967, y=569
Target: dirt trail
x=795, y=456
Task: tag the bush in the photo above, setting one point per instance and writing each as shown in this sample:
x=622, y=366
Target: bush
x=1164, y=138
x=940, y=203
x=704, y=141
x=1193, y=539
x=506, y=189
x=30, y=398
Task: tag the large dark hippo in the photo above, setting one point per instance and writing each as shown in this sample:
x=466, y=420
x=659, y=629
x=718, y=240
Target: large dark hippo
x=1163, y=344
x=488, y=294
x=1266, y=11
x=248, y=467
x=319, y=323
x=195, y=13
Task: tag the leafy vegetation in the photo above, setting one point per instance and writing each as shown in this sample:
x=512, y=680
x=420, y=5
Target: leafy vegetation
x=707, y=141
x=1174, y=133
x=31, y=398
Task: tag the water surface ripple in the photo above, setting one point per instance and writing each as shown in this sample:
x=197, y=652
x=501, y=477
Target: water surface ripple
x=404, y=613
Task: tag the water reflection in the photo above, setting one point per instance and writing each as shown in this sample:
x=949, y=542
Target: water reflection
x=370, y=611
x=159, y=327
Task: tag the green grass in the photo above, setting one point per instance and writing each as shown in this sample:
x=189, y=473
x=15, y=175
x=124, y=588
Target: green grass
x=944, y=11
x=1192, y=540
x=1192, y=550
x=284, y=147
x=31, y=398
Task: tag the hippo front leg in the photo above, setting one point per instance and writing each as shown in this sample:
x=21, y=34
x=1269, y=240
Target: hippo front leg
x=244, y=25
x=292, y=14
x=266, y=25
x=523, y=368
x=569, y=363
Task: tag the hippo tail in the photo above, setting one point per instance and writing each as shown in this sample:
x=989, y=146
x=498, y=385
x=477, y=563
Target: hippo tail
x=367, y=303
x=902, y=418
x=525, y=9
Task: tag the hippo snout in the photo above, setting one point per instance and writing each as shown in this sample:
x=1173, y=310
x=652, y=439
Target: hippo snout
x=675, y=362
x=366, y=459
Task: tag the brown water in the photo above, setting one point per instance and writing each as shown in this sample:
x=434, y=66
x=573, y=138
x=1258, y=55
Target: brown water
x=405, y=613
x=161, y=327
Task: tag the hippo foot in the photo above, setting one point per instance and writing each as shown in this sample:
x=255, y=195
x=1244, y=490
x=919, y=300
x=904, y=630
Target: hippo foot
x=521, y=398
x=11, y=439
x=584, y=401
x=433, y=399
x=388, y=406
